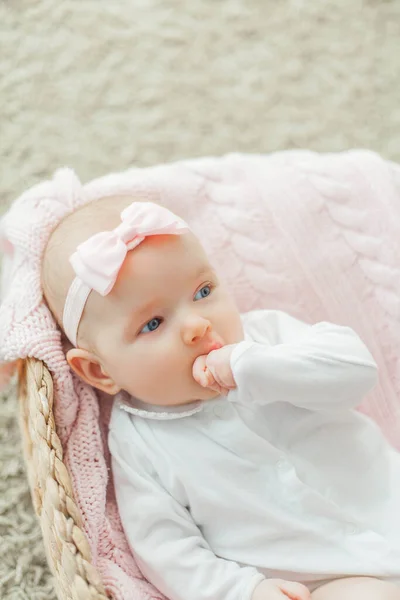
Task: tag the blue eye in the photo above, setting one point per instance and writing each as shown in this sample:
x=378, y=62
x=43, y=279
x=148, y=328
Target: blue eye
x=203, y=293
x=152, y=325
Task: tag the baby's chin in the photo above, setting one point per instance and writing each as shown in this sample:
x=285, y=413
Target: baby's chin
x=201, y=394
x=206, y=394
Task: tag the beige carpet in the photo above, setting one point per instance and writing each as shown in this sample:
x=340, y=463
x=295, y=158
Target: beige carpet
x=104, y=85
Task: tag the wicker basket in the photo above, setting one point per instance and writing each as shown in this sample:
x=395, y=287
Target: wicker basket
x=66, y=545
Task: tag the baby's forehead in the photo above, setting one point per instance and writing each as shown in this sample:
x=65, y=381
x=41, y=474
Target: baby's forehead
x=162, y=261
x=160, y=271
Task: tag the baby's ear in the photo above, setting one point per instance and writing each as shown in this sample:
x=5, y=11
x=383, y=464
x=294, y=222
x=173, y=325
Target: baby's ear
x=86, y=365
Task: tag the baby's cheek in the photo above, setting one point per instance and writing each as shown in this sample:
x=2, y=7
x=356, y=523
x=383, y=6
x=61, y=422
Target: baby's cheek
x=152, y=376
x=227, y=321
x=173, y=378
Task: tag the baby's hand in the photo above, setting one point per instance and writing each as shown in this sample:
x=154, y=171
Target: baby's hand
x=278, y=589
x=214, y=370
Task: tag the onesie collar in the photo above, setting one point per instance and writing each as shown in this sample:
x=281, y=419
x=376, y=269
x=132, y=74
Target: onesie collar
x=159, y=413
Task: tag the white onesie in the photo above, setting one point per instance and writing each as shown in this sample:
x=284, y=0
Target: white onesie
x=282, y=478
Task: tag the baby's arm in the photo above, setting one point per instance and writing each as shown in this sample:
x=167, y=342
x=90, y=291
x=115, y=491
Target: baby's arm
x=318, y=367
x=168, y=546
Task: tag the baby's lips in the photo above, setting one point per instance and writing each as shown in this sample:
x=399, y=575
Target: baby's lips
x=214, y=346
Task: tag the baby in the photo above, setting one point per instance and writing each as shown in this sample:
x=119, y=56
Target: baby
x=241, y=469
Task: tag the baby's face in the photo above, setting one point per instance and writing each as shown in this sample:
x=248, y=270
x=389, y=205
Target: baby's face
x=167, y=308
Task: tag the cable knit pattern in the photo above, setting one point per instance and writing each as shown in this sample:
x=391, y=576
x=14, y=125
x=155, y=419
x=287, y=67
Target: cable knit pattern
x=313, y=234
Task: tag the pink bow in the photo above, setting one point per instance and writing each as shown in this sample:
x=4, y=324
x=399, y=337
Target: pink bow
x=98, y=260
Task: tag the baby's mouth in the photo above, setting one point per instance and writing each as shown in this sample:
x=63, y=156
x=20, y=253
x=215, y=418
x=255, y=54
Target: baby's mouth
x=214, y=346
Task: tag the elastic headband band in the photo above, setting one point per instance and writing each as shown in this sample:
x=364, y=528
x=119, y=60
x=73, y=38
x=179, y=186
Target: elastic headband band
x=98, y=261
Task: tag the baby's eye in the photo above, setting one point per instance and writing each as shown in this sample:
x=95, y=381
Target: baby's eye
x=204, y=292
x=152, y=325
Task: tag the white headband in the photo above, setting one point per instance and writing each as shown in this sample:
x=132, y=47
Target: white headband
x=98, y=261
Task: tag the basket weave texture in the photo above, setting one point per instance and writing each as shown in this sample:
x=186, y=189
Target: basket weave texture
x=66, y=546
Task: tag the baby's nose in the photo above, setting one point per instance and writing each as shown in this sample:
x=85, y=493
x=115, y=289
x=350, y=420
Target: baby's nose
x=194, y=329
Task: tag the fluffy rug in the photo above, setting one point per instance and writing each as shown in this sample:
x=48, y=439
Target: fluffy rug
x=103, y=86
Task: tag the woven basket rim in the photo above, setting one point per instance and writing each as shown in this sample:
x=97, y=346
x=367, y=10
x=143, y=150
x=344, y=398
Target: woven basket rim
x=66, y=544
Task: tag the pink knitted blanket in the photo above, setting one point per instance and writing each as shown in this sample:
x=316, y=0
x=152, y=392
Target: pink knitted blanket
x=315, y=235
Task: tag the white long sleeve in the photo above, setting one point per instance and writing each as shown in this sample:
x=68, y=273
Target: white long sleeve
x=216, y=496
x=168, y=546
x=317, y=367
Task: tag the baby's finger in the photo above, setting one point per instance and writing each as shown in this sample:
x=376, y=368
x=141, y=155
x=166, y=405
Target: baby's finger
x=295, y=591
x=204, y=377
x=277, y=595
x=199, y=371
x=219, y=389
x=218, y=361
x=214, y=385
